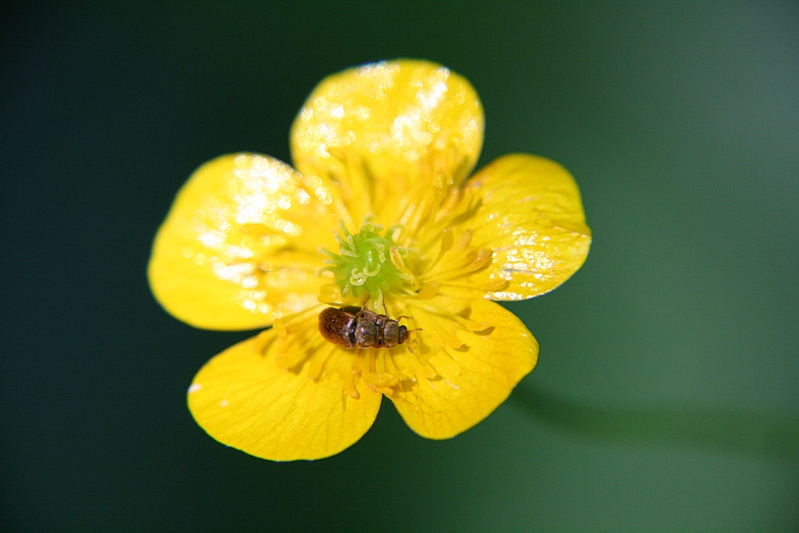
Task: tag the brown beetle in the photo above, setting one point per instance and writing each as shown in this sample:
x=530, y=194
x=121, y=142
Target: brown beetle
x=356, y=327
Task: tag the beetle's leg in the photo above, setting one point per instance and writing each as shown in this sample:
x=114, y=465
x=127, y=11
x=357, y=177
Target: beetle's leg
x=411, y=343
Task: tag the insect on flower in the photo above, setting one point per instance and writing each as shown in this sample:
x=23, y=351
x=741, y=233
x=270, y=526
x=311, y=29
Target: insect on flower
x=355, y=327
x=381, y=206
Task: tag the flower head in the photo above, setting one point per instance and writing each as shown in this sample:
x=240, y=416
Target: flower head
x=379, y=213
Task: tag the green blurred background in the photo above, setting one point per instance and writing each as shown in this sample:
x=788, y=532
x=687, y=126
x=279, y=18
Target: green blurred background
x=667, y=393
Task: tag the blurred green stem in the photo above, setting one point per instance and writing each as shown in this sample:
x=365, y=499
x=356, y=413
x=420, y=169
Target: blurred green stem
x=740, y=432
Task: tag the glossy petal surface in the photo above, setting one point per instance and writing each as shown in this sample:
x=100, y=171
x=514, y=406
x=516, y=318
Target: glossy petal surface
x=531, y=216
x=383, y=132
x=240, y=244
x=477, y=370
x=242, y=398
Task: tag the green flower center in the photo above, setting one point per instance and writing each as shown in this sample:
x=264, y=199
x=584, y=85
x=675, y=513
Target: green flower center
x=369, y=263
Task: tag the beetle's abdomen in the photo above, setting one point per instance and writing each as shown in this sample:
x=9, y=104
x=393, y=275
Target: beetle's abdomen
x=365, y=332
x=338, y=327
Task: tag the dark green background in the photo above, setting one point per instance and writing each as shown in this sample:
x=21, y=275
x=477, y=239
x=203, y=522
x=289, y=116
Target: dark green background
x=667, y=393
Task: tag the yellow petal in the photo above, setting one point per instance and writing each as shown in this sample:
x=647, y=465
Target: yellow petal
x=240, y=244
x=386, y=132
x=532, y=218
x=243, y=399
x=477, y=370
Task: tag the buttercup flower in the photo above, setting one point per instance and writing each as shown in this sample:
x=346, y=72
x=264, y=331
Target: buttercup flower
x=378, y=214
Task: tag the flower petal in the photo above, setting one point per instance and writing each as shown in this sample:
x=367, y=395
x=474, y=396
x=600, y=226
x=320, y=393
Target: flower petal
x=240, y=244
x=243, y=399
x=477, y=370
x=386, y=132
x=531, y=217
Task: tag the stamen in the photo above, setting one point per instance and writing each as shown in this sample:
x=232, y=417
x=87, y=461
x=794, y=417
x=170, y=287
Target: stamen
x=279, y=327
x=291, y=360
x=296, y=349
x=293, y=330
x=440, y=183
x=391, y=233
x=427, y=291
x=318, y=364
x=380, y=364
x=356, y=188
x=427, y=214
x=481, y=259
x=349, y=384
x=474, y=261
x=472, y=325
x=329, y=294
x=465, y=240
x=447, y=238
x=392, y=368
x=295, y=317
x=419, y=209
x=458, y=207
x=262, y=341
x=496, y=285
x=377, y=378
x=426, y=371
x=396, y=260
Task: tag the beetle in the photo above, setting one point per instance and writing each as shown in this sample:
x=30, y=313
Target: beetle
x=355, y=327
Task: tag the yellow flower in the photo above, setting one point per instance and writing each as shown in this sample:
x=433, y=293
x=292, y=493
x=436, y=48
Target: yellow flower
x=378, y=213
